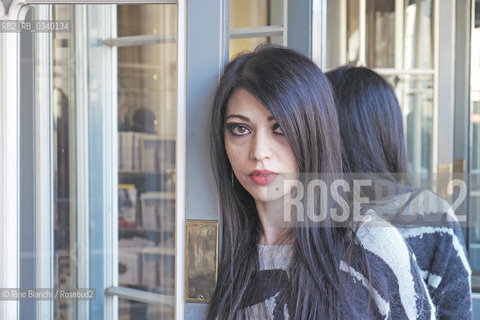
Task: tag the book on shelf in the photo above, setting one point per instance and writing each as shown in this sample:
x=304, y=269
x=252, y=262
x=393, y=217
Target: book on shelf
x=157, y=153
x=158, y=210
x=129, y=151
x=127, y=204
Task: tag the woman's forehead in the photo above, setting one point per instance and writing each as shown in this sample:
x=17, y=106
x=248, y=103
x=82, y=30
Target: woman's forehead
x=244, y=103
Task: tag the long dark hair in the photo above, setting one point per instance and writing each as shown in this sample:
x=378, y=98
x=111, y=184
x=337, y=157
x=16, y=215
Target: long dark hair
x=371, y=123
x=373, y=142
x=299, y=96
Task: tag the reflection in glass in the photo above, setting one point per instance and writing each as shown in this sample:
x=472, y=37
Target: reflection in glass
x=139, y=310
x=418, y=35
x=64, y=154
x=134, y=20
x=394, y=35
x=253, y=13
x=475, y=177
x=382, y=34
x=353, y=31
x=248, y=13
x=399, y=39
x=474, y=222
x=147, y=110
x=415, y=95
x=238, y=46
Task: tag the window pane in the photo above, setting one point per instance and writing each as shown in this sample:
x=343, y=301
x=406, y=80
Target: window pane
x=247, y=44
x=474, y=222
x=414, y=25
x=146, y=70
x=415, y=95
x=248, y=13
x=380, y=33
x=397, y=34
x=343, y=33
x=253, y=13
x=129, y=309
x=64, y=155
x=147, y=110
x=418, y=34
x=353, y=31
x=134, y=20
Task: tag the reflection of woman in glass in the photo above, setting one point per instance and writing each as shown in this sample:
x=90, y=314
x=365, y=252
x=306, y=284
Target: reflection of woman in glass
x=371, y=128
x=273, y=119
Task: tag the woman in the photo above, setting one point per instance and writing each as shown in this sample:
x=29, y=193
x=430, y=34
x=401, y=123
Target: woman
x=372, y=134
x=274, y=120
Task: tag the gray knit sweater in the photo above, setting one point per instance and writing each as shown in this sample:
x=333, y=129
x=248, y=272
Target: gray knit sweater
x=435, y=237
x=400, y=292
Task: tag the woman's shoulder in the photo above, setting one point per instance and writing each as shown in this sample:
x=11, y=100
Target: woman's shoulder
x=382, y=239
x=398, y=288
x=422, y=202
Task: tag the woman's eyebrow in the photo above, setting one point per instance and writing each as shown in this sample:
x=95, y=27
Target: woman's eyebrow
x=270, y=118
x=237, y=116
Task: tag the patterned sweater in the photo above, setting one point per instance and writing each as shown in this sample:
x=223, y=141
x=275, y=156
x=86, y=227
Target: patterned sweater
x=436, y=239
x=401, y=292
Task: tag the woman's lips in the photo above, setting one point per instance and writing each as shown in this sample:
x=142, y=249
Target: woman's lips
x=262, y=177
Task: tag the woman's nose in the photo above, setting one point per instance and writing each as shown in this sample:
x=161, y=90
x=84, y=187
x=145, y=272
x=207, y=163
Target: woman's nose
x=261, y=147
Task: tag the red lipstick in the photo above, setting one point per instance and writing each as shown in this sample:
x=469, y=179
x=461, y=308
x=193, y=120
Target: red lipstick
x=262, y=177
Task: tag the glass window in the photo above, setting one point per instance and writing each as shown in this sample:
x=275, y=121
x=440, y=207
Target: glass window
x=415, y=95
x=128, y=75
x=393, y=37
x=381, y=34
x=353, y=30
x=474, y=222
x=245, y=14
x=64, y=155
x=130, y=309
x=418, y=34
x=147, y=110
x=248, y=15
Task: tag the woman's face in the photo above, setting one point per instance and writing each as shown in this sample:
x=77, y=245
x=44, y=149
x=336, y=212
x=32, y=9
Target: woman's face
x=257, y=150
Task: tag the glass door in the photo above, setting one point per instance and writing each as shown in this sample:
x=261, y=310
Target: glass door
x=474, y=219
x=256, y=22
x=107, y=88
x=147, y=110
x=396, y=38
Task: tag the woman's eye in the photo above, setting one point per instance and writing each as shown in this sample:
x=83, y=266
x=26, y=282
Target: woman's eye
x=277, y=129
x=238, y=129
